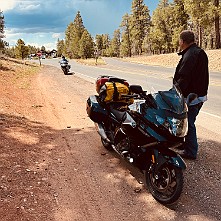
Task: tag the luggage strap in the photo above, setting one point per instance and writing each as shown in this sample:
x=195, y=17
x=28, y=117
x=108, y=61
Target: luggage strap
x=116, y=93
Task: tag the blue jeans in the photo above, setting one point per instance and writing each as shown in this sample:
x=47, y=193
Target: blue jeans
x=191, y=144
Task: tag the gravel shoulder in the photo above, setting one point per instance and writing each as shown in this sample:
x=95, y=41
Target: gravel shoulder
x=53, y=166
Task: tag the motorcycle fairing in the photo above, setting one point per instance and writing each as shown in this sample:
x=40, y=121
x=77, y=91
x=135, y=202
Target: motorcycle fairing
x=168, y=120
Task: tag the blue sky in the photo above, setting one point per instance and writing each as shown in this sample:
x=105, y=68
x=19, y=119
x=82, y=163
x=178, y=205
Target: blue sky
x=42, y=22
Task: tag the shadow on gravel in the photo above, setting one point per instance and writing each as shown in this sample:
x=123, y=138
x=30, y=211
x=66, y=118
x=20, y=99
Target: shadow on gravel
x=201, y=197
x=70, y=73
x=29, y=154
x=25, y=155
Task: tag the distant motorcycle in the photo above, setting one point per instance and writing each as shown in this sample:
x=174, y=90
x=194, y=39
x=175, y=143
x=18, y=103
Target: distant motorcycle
x=65, y=66
x=143, y=133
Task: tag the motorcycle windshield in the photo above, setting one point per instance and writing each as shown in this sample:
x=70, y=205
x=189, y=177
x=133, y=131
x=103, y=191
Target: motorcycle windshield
x=171, y=100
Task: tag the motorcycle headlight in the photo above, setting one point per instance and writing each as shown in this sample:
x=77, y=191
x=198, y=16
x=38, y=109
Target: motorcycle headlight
x=163, y=122
x=177, y=127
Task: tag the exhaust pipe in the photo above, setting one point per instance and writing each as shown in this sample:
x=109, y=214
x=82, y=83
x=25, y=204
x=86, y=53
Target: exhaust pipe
x=101, y=132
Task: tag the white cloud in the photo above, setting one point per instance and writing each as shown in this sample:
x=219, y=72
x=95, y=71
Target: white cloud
x=19, y=5
x=7, y=5
x=50, y=46
x=56, y=35
x=11, y=33
x=27, y=7
x=33, y=44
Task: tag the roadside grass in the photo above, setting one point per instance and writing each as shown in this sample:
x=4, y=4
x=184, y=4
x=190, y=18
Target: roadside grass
x=17, y=72
x=91, y=61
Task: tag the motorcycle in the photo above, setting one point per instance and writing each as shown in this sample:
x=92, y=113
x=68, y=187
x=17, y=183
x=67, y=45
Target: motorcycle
x=143, y=134
x=65, y=67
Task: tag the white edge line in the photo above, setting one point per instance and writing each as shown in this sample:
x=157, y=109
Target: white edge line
x=212, y=115
x=86, y=76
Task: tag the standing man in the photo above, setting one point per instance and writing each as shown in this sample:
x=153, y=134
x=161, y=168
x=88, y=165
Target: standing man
x=192, y=76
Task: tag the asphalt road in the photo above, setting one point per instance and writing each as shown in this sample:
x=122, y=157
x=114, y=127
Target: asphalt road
x=152, y=78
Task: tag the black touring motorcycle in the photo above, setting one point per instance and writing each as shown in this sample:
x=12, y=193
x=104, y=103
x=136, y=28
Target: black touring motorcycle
x=65, y=67
x=143, y=132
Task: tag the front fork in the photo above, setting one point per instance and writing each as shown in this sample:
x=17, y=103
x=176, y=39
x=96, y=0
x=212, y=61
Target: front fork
x=159, y=158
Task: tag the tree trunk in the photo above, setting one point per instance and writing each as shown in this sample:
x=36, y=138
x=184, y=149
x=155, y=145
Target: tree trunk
x=211, y=43
x=200, y=36
x=217, y=31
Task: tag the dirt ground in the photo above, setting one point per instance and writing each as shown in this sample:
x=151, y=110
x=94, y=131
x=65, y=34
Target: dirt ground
x=53, y=167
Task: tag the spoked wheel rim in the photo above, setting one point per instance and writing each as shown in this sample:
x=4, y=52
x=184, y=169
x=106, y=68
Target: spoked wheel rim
x=165, y=185
x=162, y=180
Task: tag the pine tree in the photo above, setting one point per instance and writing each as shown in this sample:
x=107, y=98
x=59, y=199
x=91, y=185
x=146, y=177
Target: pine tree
x=2, y=26
x=114, y=49
x=125, y=49
x=21, y=50
x=160, y=35
x=217, y=25
x=179, y=21
x=73, y=35
x=140, y=23
x=43, y=48
x=77, y=33
x=32, y=49
x=68, y=39
x=86, y=45
x=106, y=44
x=168, y=20
x=10, y=52
x=198, y=10
x=99, y=42
x=60, y=47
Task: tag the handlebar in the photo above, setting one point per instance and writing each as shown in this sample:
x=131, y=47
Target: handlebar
x=130, y=96
x=148, y=98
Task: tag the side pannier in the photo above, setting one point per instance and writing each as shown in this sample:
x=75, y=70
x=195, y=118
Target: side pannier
x=95, y=111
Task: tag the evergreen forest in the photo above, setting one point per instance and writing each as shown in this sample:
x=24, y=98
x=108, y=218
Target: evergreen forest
x=140, y=33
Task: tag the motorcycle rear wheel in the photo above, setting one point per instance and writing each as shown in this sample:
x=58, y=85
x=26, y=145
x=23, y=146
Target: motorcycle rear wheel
x=66, y=71
x=166, y=185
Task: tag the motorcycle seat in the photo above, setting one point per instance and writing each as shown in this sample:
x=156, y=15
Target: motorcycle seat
x=119, y=111
x=120, y=115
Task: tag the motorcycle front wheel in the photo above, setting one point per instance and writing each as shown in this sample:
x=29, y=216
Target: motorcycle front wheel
x=166, y=184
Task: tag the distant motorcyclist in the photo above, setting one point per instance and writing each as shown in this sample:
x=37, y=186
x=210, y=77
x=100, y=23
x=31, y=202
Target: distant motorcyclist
x=64, y=64
x=63, y=60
